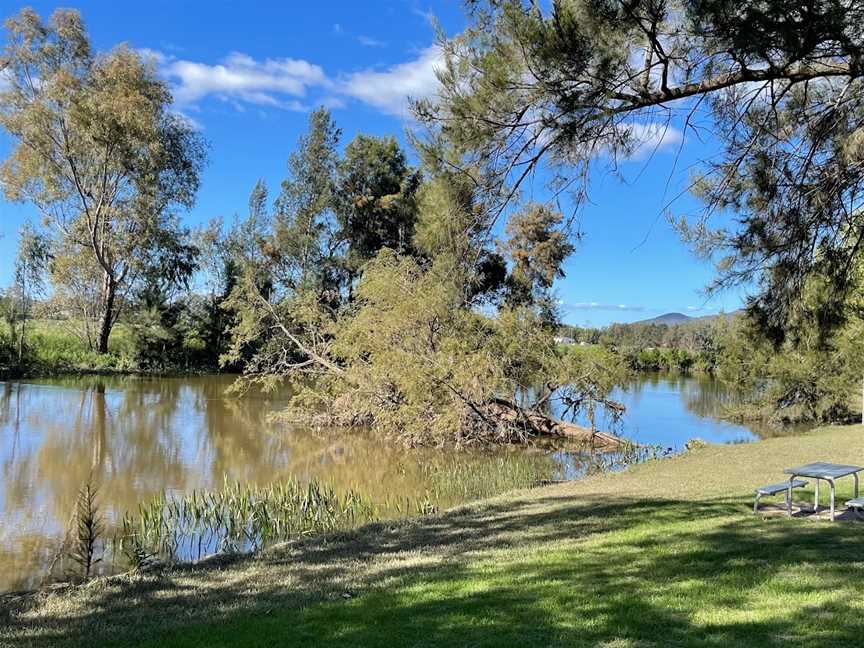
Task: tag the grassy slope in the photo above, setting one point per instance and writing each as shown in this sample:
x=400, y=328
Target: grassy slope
x=56, y=347
x=664, y=554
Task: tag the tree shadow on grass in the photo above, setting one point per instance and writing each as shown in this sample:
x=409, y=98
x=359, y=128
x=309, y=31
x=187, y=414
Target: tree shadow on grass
x=541, y=570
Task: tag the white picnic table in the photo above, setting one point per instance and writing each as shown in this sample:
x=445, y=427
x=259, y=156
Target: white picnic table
x=823, y=471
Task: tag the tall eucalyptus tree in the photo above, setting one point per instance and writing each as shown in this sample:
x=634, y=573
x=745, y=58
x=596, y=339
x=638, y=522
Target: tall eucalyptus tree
x=101, y=155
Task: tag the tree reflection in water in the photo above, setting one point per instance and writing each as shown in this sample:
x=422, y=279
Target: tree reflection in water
x=139, y=437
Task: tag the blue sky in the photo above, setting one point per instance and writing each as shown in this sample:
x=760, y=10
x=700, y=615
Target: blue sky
x=248, y=74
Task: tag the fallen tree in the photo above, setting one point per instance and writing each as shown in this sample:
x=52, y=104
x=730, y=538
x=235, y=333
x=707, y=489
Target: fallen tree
x=383, y=301
x=409, y=360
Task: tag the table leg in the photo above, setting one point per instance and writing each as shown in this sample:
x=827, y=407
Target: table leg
x=816, y=498
x=831, y=484
x=789, y=496
x=855, y=475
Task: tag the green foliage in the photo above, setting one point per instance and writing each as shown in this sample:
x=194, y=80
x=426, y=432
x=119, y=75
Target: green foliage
x=404, y=317
x=685, y=347
x=375, y=199
x=659, y=359
x=304, y=235
x=52, y=347
x=175, y=336
x=415, y=362
x=537, y=247
x=460, y=480
x=236, y=518
x=99, y=153
x=813, y=379
x=239, y=517
x=452, y=227
x=419, y=362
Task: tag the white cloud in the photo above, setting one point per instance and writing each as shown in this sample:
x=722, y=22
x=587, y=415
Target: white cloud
x=653, y=137
x=389, y=90
x=241, y=78
x=368, y=41
x=297, y=84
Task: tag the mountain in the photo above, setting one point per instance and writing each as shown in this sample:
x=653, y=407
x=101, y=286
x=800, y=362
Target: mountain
x=668, y=318
x=681, y=318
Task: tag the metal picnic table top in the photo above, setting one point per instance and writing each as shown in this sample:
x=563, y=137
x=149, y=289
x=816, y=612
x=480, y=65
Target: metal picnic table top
x=823, y=470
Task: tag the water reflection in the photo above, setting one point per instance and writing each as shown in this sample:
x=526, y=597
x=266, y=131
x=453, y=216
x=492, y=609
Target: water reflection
x=139, y=437
x=670, y=409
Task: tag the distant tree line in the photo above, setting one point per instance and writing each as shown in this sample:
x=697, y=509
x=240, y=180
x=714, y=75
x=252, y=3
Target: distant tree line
x=656, y=346
x=811, y=377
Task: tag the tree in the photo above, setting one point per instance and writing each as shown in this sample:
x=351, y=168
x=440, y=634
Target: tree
x=537, y=248
x=290, y=274
x=305, y=242
x=408, y=351
x=576, y=83
x=450, y=229
x=98, y=151
x=375, y=199
x=383, y=305
x=31, y=264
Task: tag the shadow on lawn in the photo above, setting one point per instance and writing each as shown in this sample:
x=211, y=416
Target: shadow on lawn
x=419, y=583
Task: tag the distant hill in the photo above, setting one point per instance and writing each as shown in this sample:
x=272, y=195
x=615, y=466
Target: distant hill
x=681, y=318
x=667, y=318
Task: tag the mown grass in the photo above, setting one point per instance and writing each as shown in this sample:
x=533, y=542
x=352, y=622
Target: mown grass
x=666, y=553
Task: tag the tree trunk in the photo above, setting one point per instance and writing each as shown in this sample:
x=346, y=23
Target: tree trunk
x=109, y=291
x=21, y=341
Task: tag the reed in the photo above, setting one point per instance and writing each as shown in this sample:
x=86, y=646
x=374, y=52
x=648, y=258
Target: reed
x=237, y=518
x=245, y=517
x=461, y=480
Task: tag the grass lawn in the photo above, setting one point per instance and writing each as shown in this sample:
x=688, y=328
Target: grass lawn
x=665, y=554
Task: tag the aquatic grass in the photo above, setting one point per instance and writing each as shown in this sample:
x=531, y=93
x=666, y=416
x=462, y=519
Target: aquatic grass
x=247, y=517
x=461, y=480
x=237, y=517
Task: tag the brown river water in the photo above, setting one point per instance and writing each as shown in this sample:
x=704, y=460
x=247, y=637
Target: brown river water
x=139, y=437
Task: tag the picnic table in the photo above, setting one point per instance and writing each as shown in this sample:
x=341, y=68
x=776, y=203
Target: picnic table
x=821, y=470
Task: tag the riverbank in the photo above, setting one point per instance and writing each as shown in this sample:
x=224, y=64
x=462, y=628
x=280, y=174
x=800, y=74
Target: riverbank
x=665, y=553
x=56, y=349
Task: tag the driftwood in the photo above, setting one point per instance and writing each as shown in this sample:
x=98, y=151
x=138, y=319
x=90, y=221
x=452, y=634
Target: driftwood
x=538, y=423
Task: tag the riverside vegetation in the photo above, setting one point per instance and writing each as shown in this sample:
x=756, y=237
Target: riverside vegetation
x=366, y=284
x=813, y=378
x=246, y=518
x=419, y=300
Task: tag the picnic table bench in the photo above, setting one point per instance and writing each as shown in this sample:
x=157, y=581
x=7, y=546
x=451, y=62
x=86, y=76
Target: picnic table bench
x=857, y=504
x=779, y=487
